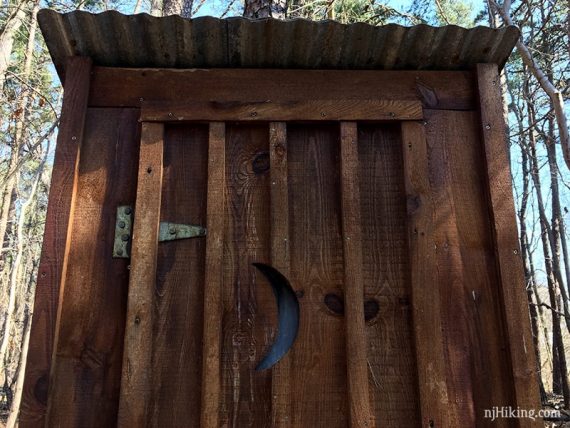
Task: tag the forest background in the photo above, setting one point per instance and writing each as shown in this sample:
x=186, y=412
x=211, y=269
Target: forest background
x=536, y=100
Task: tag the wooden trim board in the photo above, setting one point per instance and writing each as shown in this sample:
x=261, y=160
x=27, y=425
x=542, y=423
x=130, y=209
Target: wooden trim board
x=311, y=110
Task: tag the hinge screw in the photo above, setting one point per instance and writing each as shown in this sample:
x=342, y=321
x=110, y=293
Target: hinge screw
x=487, y=126
x=125, y=237
x=128, y=211
x=172, y=230
x=122, y=224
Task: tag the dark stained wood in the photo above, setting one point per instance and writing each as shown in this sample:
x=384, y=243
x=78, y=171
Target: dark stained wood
x=318, y=357
x=281, y=260
x=357, y=363
x=137, y=359
x=436, y=408
x=471, y=306
x=450, y=269
x=178, y=322
x=87, y=361
x=249, y=311
x=451, y=90
x=213, y=276
x=320, y=109
x=55, y=245
x=390, y=351
x=505, y=240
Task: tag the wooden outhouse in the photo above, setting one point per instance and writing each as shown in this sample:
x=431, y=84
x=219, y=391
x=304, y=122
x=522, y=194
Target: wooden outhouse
x=368, y=165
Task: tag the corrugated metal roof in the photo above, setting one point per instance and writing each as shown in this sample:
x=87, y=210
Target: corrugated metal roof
x=114, y=39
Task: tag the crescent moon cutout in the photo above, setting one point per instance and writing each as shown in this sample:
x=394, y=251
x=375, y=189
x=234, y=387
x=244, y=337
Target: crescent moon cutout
x=288, y=315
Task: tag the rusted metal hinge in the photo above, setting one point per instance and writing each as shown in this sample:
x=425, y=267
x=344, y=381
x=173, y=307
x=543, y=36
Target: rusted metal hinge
x=167, y=232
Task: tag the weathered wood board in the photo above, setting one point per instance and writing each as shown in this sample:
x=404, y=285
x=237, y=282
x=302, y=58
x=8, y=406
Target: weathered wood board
x=412, y=196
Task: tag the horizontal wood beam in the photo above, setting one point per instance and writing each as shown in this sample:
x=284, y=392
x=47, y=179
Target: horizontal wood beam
x=361, y=110
x=130, y=87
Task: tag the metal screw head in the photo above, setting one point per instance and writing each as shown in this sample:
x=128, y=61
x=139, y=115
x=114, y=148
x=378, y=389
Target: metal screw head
x=119, y=252
x=170, y=114
x=323, y=114
x=128, y=211
x=141, y=99
x=487, y=126
x=253, y=114
x=515, y=251
x=172, y=230
x=125, y=237
x=74, y=138
x=392, y=114
x=122, y=224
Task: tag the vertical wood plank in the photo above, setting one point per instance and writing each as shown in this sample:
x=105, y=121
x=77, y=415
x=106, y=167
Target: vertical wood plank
x=137, y=367
x=87, y=358
x=505, y=234
x=248, y=302
x=56, y=236
x=179, y=296
x=392, y=371
x=357, y=366
x=213, y=276
x=280, y=259
x=318, y=387
x=434, y=398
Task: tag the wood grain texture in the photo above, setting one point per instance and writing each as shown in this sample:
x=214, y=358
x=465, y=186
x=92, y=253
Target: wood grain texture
x=318, y=358
x=211, y=375
x=280, y=260
x=390, y=351
x=450, y=271
x=436, y=408
x=451, y=90
x=249, y=312
x=357, y=363
x=87, y=359
x=137, y=358
x=504, y=235
x=471, y=305
x=319, y=109
x=56, y=237
x=179, y=298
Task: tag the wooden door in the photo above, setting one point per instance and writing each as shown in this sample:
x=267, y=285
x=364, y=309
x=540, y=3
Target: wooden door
x=311, y=188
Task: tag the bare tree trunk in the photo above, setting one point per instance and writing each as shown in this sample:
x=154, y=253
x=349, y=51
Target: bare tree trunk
x=554, y=289
x=529, y=276
x=13, y=24
x=265, y=9
x=21, y=371
x=554, y=94
x=10, y=183
x=177, y=7
x=13, y=287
